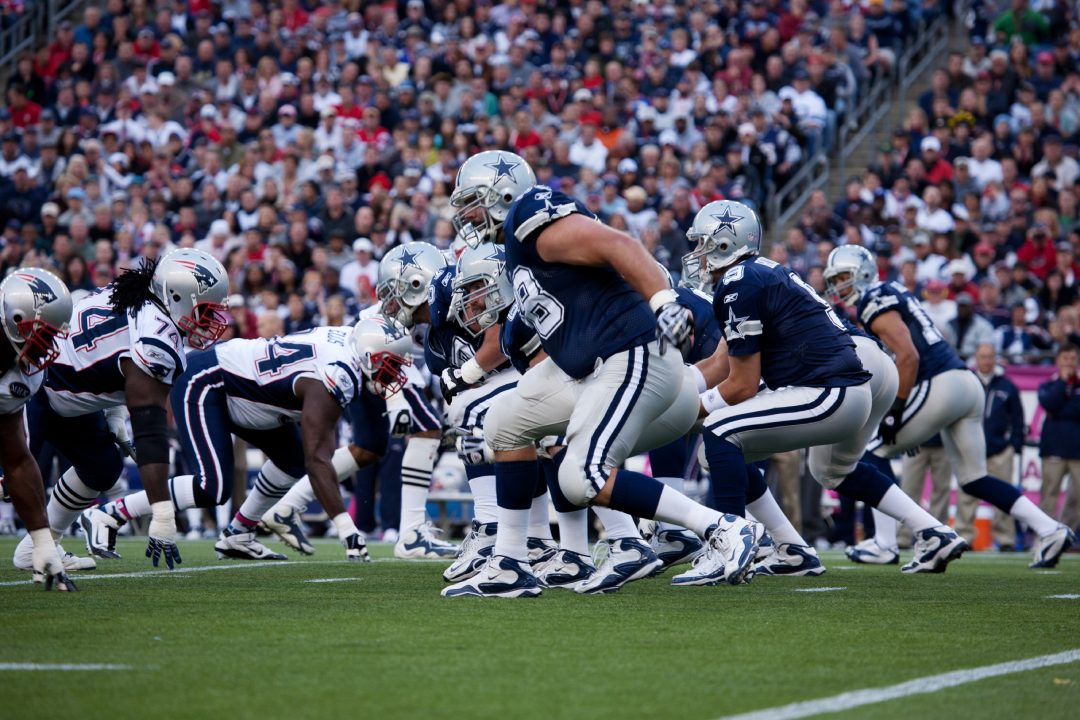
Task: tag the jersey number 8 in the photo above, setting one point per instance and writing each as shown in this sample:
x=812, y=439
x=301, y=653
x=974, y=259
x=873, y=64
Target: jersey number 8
x=540, y=309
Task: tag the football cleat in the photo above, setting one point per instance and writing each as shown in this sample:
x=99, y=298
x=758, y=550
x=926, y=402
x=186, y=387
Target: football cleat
x=765, y=547
x=421, y=542
x=564, y=570
x=731, y=546
x=243, y=546
x=627, y=559
x=541, y=550
x=288, y=527
x=474, y=551
x=24, y=558
x=648, y=529
x=791, y=560
x=1051, y=547
x=675, y=546
x=99, y=530
x=935, y=548
x=499, y=576
x=868, y=552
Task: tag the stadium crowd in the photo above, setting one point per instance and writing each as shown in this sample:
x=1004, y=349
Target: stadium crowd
x=297, y=141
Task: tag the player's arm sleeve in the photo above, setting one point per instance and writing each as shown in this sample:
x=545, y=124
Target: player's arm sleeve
x=738, y=305
x=437, y=350
x=541, y=207
x=159, y=358
x=877, y=303
x=341, y=381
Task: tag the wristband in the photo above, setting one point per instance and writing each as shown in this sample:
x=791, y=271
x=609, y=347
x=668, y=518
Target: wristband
x=699, y=379
x=712, y=400
x=41, y=537
x=471, y=372
x=662, y=298
x=163, y=512
x=345, y=525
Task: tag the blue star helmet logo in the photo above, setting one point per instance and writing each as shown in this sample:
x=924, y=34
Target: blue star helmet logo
x=497, y=254
x=726, y=221
x=503, y=168
x=408, y=259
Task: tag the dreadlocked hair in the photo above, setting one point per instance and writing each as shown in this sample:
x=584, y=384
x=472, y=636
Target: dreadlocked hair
x=131, y=290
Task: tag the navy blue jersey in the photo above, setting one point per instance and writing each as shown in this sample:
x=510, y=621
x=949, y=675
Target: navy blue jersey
x=519, y=341
x=707, y=332
x=447, y=344
x=582, y=314
x=765, y=308
x=854, y=330
x=935, y=355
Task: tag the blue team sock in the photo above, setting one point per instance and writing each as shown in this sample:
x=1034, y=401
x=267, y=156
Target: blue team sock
x=478, y=471
x=729, y=475
x=755, y=484
x=550, y=470
x=998, y=493
x=541, y=481
x=514, y=484
x=635, y=494
x=882, y=465
x=865, y=483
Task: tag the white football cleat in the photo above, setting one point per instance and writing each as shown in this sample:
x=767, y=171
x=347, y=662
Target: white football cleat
x=288, y=527
x=935, y=548
x=24, y=558
x=731, y=546
x=869, y=552
x=500, y=576
x=99, y=530
x=541, y=550
x=1051, y=547
x=676, y=546
x=564, y=570
x=243, y=546
x=422, y=542
x=790, y=560
x=628, y=559
x=474, y=551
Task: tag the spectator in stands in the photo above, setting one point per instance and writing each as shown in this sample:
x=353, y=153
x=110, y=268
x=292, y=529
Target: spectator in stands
x=1058, y=446
x=1021, y=339
x=968, y=330
x=1038, y=252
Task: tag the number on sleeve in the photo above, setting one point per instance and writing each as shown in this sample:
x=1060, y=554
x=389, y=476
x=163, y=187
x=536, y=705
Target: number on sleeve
x=539, y=308
x=929, y=330
x=280, y=355
x=829, y=312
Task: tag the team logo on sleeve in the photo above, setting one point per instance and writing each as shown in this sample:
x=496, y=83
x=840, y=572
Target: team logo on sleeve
x=202, y=274
x=43, y=294
x=738, y=328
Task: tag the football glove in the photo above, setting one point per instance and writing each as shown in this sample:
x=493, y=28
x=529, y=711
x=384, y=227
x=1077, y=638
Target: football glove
x=471, y=448
x=162, y=532
x=451, y=383
x=48, y=567
x=400, y=422
x=890, y=424
x=355, y=548
x=117, y=420
x=675, y=326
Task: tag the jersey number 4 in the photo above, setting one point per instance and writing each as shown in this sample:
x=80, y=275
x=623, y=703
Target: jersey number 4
x=280, y=355
x=95, y=324
x=541, y=309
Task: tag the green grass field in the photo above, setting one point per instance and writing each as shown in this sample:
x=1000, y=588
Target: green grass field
x=263, y=642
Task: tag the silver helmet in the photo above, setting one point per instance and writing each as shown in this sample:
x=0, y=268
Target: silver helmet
x=382, y=347
x=724, y=232
x=857, y=266
x=404, y=276
x=35, y=307
x=692, y=277
x=193, y=286
x=482, y=289
x=487, y=184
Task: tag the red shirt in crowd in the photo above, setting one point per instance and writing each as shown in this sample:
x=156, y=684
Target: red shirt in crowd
x=940, y=171
x=26, y=115
x=1040, y=260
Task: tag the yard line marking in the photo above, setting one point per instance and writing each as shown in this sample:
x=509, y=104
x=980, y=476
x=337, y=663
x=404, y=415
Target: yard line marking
x=918, y=686
x=1047, y=572
x=819, y=589
x=844, y=567
x=1066, y=596
x=331, y=580
x=63, y=666
x=80, y=577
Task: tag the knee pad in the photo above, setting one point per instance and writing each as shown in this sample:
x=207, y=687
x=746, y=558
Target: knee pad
x=572, y=480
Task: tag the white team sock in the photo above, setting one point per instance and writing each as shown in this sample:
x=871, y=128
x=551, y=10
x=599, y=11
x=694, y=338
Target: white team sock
x=574, y=531
x=677, y=509
x=182, y=488
x=897, y=505
x=512, y=536
x=194, y=518
x=70, y=496
x=271, y=485
x=416, y=465
x=7, y=513
x=539, y=522
x=485, y=507
x=768, y=512
x=617, y=524
x=1029, y=513
x=676, y=484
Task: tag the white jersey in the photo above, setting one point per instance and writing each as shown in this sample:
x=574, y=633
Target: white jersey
x=16, y=387
x=260, y=375
x=86, y=377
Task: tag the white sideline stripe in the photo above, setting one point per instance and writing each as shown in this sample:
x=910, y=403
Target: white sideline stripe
x=819, y=589
x=331, y=580
x=918, y=686
x=165, y=572
x=1067, y=596
x=64, y=666
x=844, y=567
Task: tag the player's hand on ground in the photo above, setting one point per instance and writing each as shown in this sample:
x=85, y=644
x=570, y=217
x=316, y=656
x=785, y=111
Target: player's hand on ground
x=157, y=548
x=49, y=568
x=116, y=420
x=675, y=326
x=355, y=548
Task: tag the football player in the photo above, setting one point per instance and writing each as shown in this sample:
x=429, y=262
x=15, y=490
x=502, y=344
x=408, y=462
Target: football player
x=35, y=307
x=936, y=393
x=595, y=298
x=125, y=348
